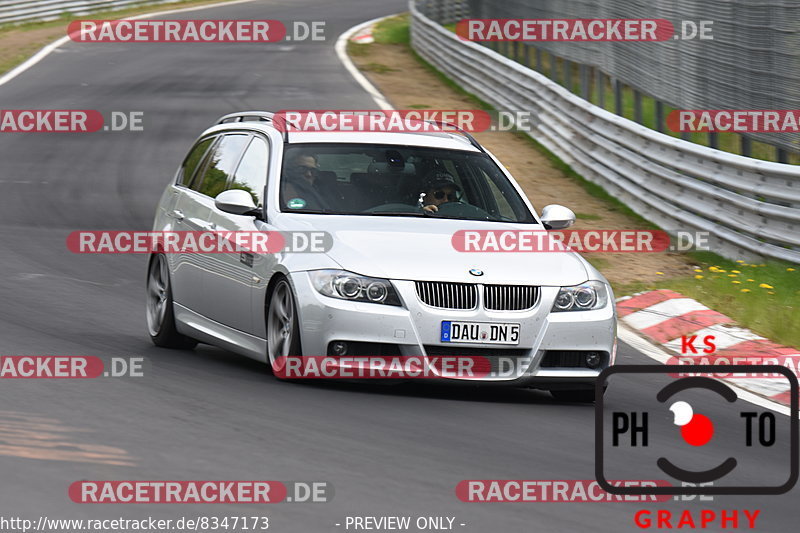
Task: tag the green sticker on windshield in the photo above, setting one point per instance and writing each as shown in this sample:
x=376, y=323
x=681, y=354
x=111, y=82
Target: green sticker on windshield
x=296, y=203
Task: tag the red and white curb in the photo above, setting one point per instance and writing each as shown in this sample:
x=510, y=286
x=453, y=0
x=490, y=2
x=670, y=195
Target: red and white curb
x=364, y=36
x=662, y=317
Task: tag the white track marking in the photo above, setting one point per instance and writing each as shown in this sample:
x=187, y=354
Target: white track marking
x=341, y=51
x=662, y=311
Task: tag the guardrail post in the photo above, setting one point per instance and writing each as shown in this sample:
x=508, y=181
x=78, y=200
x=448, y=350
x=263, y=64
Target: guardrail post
x=617, y=97
x=600, y=79
x=659, y=116
x=713, y=140
x=539, y=60
x=567, y=64
x=637, y=106
x=586, y=92
x=782, y=155
x=746, y=147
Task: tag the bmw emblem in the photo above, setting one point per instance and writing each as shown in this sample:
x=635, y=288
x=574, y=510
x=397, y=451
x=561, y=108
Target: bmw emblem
x=476, y=271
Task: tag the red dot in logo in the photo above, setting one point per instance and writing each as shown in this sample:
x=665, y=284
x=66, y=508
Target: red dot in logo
x=698, y=431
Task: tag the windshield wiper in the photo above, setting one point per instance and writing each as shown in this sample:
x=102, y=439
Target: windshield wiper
x=394, y=214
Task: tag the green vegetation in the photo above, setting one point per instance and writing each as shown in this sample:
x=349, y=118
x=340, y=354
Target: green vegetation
x=761, y=296
x=394, y=30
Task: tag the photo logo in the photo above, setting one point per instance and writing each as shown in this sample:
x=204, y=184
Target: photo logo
x=697, y=431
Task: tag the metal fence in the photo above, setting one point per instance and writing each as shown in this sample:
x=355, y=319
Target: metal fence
x=15, y=11
x=753, y=61
x=749, y=207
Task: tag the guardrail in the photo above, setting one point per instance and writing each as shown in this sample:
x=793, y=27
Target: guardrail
x=29, y=10
x=749, y=207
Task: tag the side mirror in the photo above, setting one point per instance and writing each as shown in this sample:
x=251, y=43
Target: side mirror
x=556, y=216
x=236, y=201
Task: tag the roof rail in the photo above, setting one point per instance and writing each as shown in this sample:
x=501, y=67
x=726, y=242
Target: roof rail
x=472, y=140
x=259, y=116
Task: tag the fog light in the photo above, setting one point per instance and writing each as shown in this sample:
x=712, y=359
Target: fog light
x=339, y=348
x=593, y=359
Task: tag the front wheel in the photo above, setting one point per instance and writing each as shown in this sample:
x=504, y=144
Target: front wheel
x=283, y=326
x=160, y=312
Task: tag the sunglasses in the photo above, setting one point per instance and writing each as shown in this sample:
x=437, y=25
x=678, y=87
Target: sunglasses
x=451, y=197
x=307, y=170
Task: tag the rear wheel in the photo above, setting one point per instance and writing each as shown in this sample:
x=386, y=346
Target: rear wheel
x=283, y=326
x=160, y=313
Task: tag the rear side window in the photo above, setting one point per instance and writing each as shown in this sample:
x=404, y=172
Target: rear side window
x=251, y=175
x=221, y=163
x=193, y=161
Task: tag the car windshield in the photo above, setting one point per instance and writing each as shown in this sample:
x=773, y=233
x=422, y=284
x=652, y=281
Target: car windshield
x=387, y=180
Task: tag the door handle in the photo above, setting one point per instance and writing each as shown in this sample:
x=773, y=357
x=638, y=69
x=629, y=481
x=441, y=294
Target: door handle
x=176, y=214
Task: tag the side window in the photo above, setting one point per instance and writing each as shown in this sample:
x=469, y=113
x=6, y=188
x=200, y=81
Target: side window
x=251, y=175
x=192, y=161
x=221, y=162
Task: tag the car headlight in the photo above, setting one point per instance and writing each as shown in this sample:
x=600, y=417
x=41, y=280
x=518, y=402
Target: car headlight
x=349, y=286
x=583, y=297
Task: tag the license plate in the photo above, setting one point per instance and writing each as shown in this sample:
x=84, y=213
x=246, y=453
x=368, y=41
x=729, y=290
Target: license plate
x=480, y=332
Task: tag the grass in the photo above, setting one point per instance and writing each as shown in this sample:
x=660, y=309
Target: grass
x=769, y=311
x=378, y=68
x=767, y=304
x=394, y=30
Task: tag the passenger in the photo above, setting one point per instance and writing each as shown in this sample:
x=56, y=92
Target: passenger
x=300, y=189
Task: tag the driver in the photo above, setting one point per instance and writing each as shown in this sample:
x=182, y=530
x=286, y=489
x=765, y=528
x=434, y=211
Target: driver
x=438, y=188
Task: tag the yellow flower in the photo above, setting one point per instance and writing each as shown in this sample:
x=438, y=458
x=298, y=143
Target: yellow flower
x=660, y=273
x=714, y=269
x=736, y=281
x=698, y=276
x=770, y=292
x=789, y=270
x=745, y=290
x=762, y=265
x=739, y=261
x=698, y=269
x=735, y=271
x=731, y=275
x=750, y=279
x=766, y=286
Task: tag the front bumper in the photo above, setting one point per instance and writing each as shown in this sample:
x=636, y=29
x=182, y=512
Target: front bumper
x=415, y=329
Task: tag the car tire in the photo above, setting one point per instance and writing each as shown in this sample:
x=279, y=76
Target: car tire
x=574, y=395
x=283, y=324
x=160, y=310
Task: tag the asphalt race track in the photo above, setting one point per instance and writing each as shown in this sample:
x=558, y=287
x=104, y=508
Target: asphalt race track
x=208, y=414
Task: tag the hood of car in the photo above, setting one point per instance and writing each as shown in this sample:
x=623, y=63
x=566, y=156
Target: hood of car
x=422, y=249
